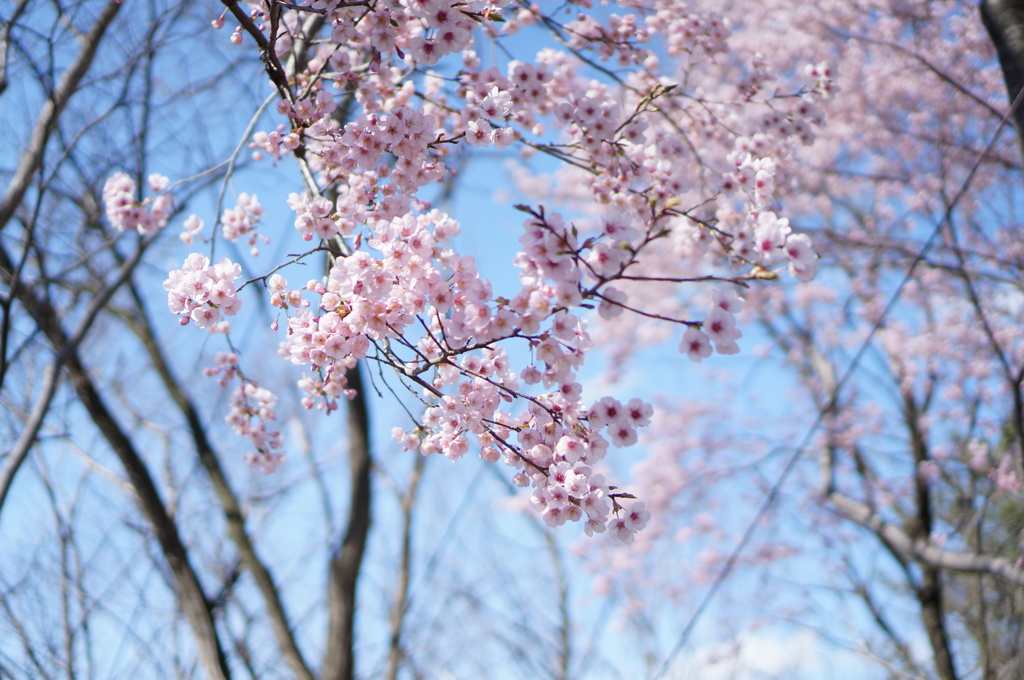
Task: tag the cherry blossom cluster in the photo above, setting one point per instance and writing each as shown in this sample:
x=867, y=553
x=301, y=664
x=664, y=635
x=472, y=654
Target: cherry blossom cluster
x=1005, y=476
x=628, y=155
x=399, y=294
x=719, y=328
x=126, y=212
x=190, y=229
x=252, y=407
x=242, y=220
x=251, y=411
x=876, y=187
x=374, y=307
x=276, y=143
x=201, y=292
x=225, y=368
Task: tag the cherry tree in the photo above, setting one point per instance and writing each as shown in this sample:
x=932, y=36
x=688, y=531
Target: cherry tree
x=899, y=453
x=680, y=169
x=370, y=115
x=372, y=122
x=93, y=419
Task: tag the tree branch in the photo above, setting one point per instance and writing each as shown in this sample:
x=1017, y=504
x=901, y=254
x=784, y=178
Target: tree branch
x=920, y=550
x=186, y=582
x=32, y=157
x=401, y=604
x=233, y=514
x=347, y=558
x=1004, y=21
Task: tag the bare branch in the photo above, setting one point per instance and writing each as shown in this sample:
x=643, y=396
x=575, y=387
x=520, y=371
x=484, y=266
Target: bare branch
x=347, y=557
x=32, y=158
x=187, y=586
x=234, y=516
x=921, y=550
x=400, y=605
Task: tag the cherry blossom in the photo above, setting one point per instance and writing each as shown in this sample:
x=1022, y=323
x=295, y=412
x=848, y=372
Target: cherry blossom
x=200, y=292
x=399, y=293
x=125, y=212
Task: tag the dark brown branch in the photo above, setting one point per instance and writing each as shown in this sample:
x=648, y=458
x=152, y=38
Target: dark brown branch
x=1004, y=21
x=271, y=63
x=186, y=582
x=190, y=594
x=233, y=514
x=347, y=557
x=52, y=374
x=400, y=606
